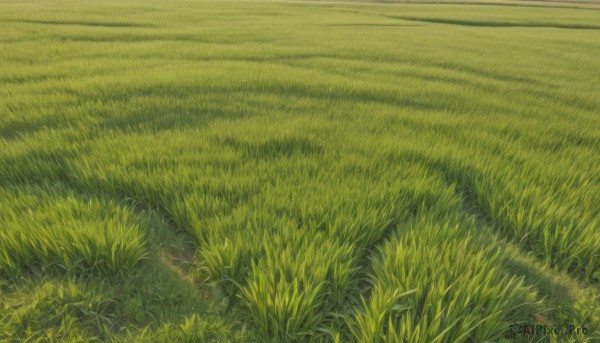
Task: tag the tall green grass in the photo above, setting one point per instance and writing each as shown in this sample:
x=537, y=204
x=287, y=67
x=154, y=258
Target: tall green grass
x=455, y=291
x=298, y=171
x=50, y=233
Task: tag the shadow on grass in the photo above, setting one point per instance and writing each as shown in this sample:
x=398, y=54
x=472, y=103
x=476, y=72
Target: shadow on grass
x=503, y=4
x=162, y=290
x=373, y=25
x=78, y=23
x=273, y=148
x=481, y=23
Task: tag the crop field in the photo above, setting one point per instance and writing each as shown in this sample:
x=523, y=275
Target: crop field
x=299, y=171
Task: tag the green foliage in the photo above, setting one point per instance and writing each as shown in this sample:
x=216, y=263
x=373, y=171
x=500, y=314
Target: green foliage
x=193, y=329
x=50, y=233
x=454, y=293
x=297, y=171
x=58, y=312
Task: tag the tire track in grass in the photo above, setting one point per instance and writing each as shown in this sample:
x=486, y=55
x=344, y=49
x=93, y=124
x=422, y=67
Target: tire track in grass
x=170, y=260
x=380, y=301
x=383, y=302
x=560, y=297
x=472, y=185
x=429, y=277
x=166, y=271
x=339, y=251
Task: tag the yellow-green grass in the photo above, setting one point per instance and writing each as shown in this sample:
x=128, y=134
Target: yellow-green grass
x=65, y=233
x=298, y=170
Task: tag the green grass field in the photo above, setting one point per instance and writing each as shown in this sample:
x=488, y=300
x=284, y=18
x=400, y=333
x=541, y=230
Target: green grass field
x=299, y=171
